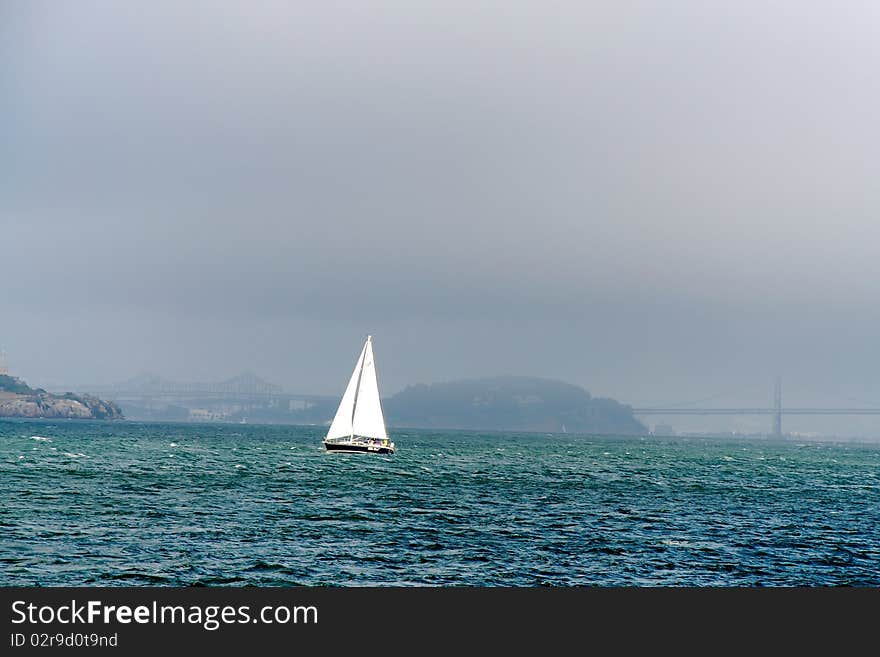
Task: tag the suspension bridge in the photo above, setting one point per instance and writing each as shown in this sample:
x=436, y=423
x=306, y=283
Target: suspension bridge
x=777, y=410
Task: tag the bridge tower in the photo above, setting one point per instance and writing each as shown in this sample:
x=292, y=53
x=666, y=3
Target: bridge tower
x=777, y=408
x=3, y=368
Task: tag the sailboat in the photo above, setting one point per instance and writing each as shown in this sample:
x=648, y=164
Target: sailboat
x=359, y=425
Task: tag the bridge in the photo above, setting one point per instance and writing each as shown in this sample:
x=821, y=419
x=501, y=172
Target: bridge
x=777, y=410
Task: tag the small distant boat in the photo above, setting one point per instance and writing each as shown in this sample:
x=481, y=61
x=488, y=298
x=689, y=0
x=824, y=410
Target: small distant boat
x=359, y=425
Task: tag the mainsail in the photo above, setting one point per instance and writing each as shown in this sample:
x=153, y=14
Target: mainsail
x=360, y=411
x=368, y=419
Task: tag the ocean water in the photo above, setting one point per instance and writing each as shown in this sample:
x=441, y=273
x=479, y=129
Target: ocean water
x=125, y=503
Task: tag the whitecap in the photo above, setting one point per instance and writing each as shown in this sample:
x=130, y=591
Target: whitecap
x=74, y=455
x=41, y=439
x=172, y=444
x=238, y=465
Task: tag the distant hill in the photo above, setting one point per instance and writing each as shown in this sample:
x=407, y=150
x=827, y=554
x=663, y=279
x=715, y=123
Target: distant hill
x=17, y=399
x=512, y=403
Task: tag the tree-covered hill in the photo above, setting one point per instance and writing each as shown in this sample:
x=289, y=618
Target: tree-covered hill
x=511, y=403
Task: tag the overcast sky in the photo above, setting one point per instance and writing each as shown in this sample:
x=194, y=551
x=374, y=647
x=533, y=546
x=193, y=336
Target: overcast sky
x=659, y=201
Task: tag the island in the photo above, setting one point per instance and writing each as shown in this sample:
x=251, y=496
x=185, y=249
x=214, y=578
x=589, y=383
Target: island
x=17, y=399
x=510, y=403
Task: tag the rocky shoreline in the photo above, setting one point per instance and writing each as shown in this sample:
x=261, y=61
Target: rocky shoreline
x=17, y=400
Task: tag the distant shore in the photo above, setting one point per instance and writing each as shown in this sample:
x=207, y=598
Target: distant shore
x=18, y=400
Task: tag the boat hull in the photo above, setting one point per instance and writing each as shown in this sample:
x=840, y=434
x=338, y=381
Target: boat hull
x=358, y=448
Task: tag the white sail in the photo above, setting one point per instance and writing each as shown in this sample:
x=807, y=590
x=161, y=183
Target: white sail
x=368, y=418
x=342, y=423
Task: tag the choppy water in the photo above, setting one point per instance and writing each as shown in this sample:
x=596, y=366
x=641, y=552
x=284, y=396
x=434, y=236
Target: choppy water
x=87, y=503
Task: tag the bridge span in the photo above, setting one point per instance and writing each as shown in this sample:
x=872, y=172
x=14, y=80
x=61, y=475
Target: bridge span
x=776, y=411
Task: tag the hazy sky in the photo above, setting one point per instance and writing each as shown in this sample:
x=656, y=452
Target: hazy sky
x=659, y=201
